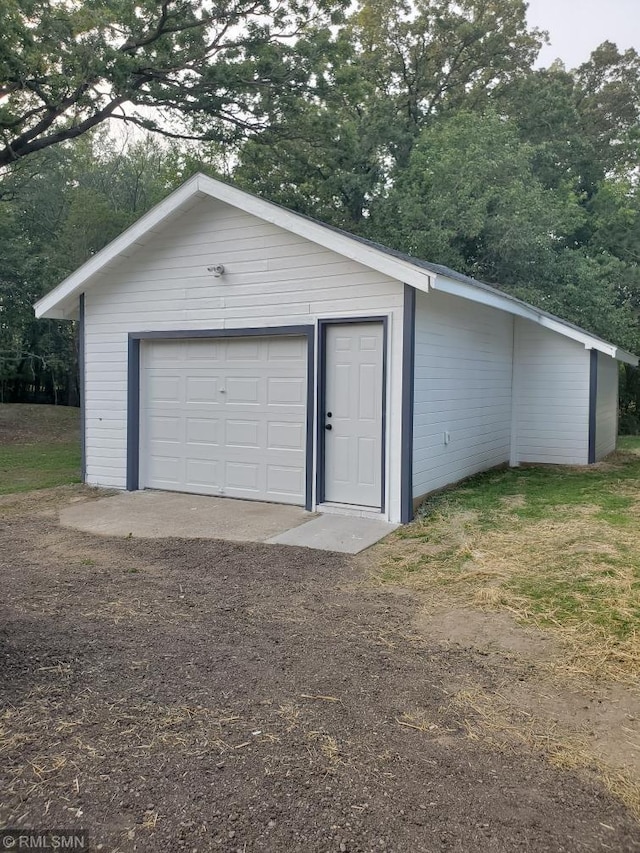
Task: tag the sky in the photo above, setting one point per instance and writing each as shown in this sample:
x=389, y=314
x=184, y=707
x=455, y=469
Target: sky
x=576, y=27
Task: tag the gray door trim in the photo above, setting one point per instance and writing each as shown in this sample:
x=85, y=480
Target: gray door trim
x=133, y=389
x=322, y=379
x=408, y=394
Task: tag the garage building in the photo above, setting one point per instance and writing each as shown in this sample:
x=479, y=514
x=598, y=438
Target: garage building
x=231, y=347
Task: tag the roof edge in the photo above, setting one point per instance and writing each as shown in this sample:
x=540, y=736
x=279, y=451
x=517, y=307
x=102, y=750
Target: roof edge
x=334, y=239
x=47, y=305
x=492, y=297
x=419, y=274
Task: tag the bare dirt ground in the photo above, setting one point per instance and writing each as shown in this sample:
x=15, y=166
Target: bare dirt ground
x=201, y=695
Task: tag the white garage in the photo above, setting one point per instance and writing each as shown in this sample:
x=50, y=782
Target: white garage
x=225, y=416
x=231, y=347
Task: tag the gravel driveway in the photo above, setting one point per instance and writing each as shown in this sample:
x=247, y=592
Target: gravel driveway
x=200, y=695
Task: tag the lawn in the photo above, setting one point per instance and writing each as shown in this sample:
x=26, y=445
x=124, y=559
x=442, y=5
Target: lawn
x=557, y=548
x=39, y=447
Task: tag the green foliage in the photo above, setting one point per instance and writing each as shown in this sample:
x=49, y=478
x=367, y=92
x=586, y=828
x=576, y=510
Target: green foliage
x=39, y=447
x=469, y=198
x=392, y=70
x=608, y=98
x=60, y=207
x=544, y=492
x=66, y=67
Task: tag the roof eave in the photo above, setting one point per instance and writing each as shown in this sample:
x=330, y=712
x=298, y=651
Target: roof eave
x=626, y=357
x=74, y=284
x=201, y=185
x=493, y=299
x=61, y=302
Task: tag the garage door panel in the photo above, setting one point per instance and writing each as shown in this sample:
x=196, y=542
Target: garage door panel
x=243, y=350
x=284, y=480
x=209, y=351
x=244, y=434
x=164, y=352
x=243, y=475
x=285, y=436
x=204, y=453
x=203, y=430
x=202, y=389
x=203, y=473
x=286, y=350
x=162, y=428
x=226, y=417
x=282, y=391
x=242, y=390
x=164, y=389
x=167, y=469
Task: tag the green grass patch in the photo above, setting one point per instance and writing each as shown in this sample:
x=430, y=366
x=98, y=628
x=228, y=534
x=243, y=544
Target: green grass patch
x=535, y=492
x=24, y=467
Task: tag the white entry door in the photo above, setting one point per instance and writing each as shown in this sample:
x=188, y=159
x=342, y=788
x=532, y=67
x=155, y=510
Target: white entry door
x=225, y=416
x=352, y=416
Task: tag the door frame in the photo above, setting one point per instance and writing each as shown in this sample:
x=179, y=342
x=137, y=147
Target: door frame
x=321, y=399
x=134, y=379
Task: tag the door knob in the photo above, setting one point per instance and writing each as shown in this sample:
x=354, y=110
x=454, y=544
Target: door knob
x=328, y=426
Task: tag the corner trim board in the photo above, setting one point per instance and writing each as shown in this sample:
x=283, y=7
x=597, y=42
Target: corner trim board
x=133, y=389
x=408, y=394
x=133, y=414
x=81, y=375
x=593, y=403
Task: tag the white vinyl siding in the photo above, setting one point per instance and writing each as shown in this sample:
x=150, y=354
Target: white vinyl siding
x=551, y=399
x=272, y=278
x=463, y=359
x=606, y=406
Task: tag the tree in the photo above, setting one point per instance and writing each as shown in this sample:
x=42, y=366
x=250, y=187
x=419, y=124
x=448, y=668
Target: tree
x=430, y=56
x=393, y=69
x=608, y=100
x=470, y=199
x=61, y=206
x=324, y=157
x=585, y=123
x=544, y=106
x=67, y=67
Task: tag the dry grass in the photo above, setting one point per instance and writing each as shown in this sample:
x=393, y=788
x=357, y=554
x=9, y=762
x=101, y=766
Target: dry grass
x=557, y=550
x=494, y=720
x=138, y=728
x=326, y=750
x=561, y=553
x=39, y=751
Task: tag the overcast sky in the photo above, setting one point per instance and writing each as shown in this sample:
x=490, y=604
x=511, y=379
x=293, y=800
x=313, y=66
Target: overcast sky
x=576, y=27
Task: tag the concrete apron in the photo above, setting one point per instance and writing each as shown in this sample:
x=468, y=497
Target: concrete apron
x=152, y=515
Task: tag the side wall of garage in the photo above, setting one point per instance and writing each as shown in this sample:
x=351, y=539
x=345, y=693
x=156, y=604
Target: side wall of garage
x=462, y=405
x=551, y=397
x=271, y=278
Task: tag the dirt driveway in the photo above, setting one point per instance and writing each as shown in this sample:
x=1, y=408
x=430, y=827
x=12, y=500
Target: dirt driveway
x=193, y=695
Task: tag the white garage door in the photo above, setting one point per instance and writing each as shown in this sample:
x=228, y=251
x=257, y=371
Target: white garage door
x=225, y=416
